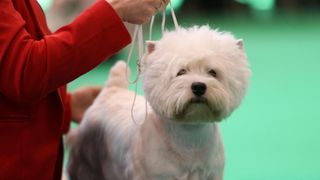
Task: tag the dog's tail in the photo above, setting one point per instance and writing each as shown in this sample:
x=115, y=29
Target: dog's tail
x=118, y=75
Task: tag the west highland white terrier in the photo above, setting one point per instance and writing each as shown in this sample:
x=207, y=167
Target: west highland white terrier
x=192, y=79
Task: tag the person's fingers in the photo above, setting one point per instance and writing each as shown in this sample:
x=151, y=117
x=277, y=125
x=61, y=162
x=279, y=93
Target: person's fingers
x=157, y=9
x=158, y=5
x=163, y=5
x=165, y=2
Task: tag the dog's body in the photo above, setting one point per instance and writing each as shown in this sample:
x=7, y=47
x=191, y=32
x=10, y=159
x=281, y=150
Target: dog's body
x=189, y=89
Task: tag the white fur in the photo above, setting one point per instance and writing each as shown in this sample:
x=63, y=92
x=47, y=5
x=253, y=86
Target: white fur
x=180, y=140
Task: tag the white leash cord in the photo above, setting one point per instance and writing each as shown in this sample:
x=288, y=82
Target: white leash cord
x=138, y=33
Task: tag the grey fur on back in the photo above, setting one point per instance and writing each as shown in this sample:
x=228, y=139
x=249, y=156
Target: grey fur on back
x=89, y=156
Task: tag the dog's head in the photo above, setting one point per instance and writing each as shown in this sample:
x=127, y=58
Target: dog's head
x=195, y=75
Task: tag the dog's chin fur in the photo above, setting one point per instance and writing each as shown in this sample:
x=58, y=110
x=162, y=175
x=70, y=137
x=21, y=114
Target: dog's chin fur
x=179, y=138
x=197, y=110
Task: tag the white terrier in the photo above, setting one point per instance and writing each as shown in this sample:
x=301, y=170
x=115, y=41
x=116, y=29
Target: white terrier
x=192, y=79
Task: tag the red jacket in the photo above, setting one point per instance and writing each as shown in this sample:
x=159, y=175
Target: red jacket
x=35, y=65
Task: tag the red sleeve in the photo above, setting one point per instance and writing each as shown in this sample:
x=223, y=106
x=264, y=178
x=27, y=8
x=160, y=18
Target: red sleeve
x=30, y=69
x=67, y=113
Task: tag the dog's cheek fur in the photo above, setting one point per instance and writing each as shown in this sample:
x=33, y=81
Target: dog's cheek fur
x=176, y=97
x=238, y=79
x=156, y=83
x=156, y=94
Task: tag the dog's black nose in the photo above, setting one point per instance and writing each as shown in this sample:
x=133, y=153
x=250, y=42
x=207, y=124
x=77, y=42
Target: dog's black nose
x=198, y=88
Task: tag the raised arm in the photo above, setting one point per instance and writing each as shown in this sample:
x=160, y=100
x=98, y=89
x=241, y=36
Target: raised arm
x=31, y=68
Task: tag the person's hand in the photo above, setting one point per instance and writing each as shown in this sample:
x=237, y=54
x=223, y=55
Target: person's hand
x=137, y=11
x=81, y=99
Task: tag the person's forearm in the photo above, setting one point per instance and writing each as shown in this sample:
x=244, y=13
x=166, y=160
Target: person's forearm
x=30, y=69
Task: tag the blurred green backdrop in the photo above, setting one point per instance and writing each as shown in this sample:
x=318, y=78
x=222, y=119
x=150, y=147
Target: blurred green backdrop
x=275, y=134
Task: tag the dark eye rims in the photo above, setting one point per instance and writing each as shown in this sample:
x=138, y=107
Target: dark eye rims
x=181, y=72
x=212, y=73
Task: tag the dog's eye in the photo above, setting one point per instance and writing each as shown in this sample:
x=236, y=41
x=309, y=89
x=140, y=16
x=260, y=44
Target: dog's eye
x=213, y=73
x=181, y=72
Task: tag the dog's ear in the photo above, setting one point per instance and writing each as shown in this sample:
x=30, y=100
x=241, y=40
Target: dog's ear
x=240, y=44
x=151, y=46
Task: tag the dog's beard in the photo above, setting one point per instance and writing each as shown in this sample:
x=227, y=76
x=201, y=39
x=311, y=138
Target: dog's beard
x=198, y=110
x=196, y=113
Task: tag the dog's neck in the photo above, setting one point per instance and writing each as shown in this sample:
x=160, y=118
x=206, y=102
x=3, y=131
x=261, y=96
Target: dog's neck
x=189, y=135
x=186, y=137
x=181, y=148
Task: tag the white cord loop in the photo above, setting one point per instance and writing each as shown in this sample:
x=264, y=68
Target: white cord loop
x=138, y=34
x=174, y=17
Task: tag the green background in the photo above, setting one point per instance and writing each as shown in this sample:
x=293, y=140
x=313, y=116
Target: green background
x=275, y=133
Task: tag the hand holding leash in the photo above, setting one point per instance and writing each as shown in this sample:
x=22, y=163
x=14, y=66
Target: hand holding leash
x=137, y=11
